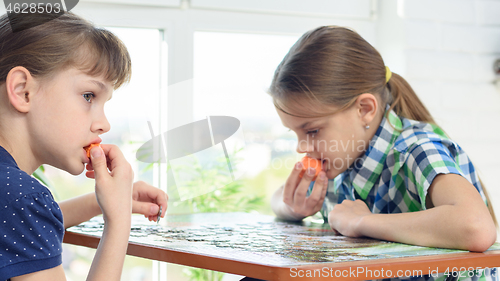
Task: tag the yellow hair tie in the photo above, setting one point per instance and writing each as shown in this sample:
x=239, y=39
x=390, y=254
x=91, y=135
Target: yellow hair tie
x=388, y=74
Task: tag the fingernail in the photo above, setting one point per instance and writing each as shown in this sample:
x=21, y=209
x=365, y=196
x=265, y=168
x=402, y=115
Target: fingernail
x=311, y=171
x=322, y=176
x=153, y=210
x=95, y=152
x=298, y=166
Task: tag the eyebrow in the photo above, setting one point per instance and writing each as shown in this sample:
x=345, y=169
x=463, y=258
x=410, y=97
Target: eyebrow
x=101, y=86
x=304, y=125
x=99, y=83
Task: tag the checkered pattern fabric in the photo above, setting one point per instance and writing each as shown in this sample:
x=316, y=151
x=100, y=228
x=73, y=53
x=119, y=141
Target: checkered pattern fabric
x=395, y=173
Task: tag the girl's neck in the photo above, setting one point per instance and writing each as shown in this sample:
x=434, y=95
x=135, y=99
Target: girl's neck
x=13, y=141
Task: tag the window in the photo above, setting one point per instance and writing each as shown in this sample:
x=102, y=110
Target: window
x=232, y=73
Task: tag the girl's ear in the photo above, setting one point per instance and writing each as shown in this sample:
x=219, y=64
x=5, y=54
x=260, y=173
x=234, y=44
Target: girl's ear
x=19, y=83
x=368, y=107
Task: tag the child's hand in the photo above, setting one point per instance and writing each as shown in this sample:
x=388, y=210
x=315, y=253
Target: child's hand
x=113, y=182
x=295, y=191
x=345, y=217
x=147, y=200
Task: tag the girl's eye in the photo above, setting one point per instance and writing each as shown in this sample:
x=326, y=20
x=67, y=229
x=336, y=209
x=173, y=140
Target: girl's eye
x=88, y=96
x=312, y=132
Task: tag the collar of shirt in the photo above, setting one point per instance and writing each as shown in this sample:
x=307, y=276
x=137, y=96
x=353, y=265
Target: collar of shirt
x=6, y=158
x=366, y=170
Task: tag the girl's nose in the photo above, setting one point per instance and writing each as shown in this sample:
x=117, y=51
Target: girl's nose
x=101, y=125
x=304, y=146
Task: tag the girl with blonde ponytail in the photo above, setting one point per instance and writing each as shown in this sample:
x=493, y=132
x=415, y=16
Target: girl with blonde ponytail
x=388, y=171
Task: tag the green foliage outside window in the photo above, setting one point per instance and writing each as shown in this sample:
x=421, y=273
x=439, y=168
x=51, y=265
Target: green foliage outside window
x=233, y=197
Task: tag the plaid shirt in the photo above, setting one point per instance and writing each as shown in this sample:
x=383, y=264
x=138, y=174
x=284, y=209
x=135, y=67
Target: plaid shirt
x=395, y=173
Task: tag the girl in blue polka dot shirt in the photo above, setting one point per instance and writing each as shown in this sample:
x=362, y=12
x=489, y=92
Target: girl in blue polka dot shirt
x=56, y=74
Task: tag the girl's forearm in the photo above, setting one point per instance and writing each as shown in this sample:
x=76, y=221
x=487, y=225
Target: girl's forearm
x=445, y=226
x=109, y=258
x=79, y=209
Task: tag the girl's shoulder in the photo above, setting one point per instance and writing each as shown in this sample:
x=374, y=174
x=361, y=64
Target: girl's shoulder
x=32, y=224
x=15, y=184
x=416, y=133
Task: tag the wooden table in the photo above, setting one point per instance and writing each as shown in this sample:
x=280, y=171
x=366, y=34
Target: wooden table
x=262, y=247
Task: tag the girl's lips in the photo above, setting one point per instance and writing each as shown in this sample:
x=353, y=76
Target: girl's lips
x=97, y=140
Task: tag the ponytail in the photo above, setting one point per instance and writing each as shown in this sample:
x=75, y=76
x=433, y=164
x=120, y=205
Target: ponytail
x=405, y=102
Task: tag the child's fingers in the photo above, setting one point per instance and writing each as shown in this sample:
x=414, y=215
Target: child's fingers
x=90, y=170
x=291, y=184
x=161, y=200
x=90, y=174
x=325, y=186
x=145, y=192
x=98, y=162
x=300, y=196
x=114, y=156
x=154, y=195
x=145, y=208
x=317, y=196
x=89, y=167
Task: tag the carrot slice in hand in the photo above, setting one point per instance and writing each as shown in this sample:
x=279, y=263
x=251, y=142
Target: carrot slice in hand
x=308, y=162
x=88, y=148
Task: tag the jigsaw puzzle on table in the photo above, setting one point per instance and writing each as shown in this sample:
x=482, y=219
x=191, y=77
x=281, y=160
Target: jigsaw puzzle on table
x=259, y=239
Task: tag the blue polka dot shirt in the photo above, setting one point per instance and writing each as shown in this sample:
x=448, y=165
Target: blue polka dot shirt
x=31, y=223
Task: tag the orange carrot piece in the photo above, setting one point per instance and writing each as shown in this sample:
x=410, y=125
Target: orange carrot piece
x=88, y=148
x=308, y=162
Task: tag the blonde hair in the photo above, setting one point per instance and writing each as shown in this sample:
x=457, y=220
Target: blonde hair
x=47, y=43
x=332, y=66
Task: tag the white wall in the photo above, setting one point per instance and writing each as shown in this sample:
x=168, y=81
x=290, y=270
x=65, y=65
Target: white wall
x=448, y=48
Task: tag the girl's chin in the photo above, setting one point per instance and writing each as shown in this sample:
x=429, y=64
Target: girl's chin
x=76, y=169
